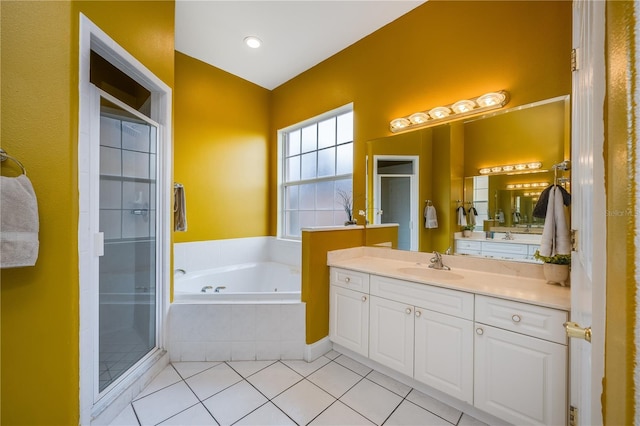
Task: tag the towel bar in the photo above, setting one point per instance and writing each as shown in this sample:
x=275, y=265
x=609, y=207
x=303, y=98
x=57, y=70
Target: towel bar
x=4, y=156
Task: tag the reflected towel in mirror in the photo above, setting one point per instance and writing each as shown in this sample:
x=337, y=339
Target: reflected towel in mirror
x=431, y=219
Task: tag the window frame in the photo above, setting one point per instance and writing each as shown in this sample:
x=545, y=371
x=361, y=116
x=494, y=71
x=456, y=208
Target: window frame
x=283, y=184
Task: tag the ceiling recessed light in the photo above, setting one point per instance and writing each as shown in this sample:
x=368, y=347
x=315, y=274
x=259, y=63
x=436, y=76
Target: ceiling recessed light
x=253, y=42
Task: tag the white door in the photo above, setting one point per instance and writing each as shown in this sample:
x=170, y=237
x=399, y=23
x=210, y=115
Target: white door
x=444, y=353
x=391, y=340
x=588, y=210
x=349, y=319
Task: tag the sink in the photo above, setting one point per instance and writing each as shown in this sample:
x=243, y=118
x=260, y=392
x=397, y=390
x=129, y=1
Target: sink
x=428, y=273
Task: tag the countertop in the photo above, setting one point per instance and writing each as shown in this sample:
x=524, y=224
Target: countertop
x=506, y=280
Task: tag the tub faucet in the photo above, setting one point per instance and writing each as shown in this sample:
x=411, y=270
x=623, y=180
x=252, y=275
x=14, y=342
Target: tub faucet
x=179, y=271
x=436, y=262
x=205, y=288
x=217, y=289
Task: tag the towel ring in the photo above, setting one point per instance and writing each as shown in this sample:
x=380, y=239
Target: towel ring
x=4, y=156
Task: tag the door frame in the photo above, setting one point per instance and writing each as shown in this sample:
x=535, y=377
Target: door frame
x=91, y=37
x=414, y=193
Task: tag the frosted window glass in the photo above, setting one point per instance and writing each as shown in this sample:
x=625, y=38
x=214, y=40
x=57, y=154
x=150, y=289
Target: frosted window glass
x=152, y=166
x=135, y=136
x=327, y=162
x=291, y=198
x=110, y=224
x=324, y=218
x=153, y=140
x=109, y=132
x=324, y=196
x=135, y=164
x=327, y=133
x=110, y=194
x=292, y=224
x=110, y=161
x=152, y=196
x=345, y=127
x=293, y=169
x=345, y=159
x=310, y=138
x=481, y=194
x=343, y=185
x=293, y=143
x=133, y=225
x=307, y=219
x=307, y=196
x=339, y=217
x=309, y=165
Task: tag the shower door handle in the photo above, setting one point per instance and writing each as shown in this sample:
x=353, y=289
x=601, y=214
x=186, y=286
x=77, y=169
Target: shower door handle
x=98, y=243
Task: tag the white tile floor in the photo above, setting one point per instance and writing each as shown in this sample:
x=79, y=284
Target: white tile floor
x=332, y=390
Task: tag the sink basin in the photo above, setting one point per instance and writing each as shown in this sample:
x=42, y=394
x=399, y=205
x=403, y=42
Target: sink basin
x=428, y=273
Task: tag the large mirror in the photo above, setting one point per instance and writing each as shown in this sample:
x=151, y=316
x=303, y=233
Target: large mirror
x=454, y=166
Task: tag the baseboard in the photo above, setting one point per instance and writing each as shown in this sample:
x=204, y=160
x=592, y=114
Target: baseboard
x=317, y=349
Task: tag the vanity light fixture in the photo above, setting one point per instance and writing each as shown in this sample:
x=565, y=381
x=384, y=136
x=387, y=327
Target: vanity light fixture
x=532, y=167
x=459, y=109
x=253, y=42
x=527, y=185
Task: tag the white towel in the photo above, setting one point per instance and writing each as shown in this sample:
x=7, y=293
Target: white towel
x=19, y=222
x=462, y=217
x=563, y=240
x=179, y=209
x=472, y=216
x=431, y=219
x=547, y=241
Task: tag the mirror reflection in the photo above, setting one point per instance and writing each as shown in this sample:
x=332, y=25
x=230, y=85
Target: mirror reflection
x=495, y=166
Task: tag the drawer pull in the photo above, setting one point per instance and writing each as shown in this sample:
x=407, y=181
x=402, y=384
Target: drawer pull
x=418, y=313
x=408, y=310
x=347, y=280
x=516, y=318
x=364, y=298
x=479, y=331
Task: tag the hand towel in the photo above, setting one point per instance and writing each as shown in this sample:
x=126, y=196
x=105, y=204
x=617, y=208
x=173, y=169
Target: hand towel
x=547, y=242
x=431, y=219
x=540, y=209
x=179, y=209
x=19, y=222
x=563, y=241
x=471, y=217
x=462, y=216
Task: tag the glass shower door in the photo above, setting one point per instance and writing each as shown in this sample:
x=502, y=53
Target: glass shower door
x=127, y=294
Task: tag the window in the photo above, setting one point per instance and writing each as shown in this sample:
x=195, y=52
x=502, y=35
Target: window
x=481, y=200
x=317, y=165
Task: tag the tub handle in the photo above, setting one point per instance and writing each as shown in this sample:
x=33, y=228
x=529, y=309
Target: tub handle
x=217, y=289
x=205, y=288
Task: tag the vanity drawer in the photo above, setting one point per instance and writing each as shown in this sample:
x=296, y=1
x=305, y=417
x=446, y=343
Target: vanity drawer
x=510, y=248
x=438, y=299
x=358, y=281
x=533, y=249
x=537, y=321
x=468, y=245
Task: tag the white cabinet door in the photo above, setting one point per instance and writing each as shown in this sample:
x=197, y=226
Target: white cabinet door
x=520, y=379
x=391, y=334
x=444, y=353
x=349, y=319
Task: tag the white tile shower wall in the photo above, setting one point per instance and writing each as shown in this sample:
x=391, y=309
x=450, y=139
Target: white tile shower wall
x=288, y=252
x=233, y=332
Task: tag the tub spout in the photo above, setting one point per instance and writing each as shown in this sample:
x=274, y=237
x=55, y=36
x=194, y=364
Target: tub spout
x=217, y=289
x=205, y=288
x=179, y=271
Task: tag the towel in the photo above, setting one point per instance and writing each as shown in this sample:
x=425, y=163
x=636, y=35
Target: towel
x=540, y=209
x=431, y=219
x=555, y=234
x=500, y=216
x=19, y=222
x=472, y=216
x=462, y=216
x=179, y=208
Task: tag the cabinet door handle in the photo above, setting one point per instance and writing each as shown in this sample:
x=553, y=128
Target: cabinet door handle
x=479, y=331
x=516, y=318
x=346, y=280
x=418, y=313
x=364, y=298
x=408, y=310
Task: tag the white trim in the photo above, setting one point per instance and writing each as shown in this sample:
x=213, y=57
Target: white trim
x=93, y=38
x=317, y=349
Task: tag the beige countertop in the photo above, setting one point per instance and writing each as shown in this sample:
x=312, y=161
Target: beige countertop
x=521, y=282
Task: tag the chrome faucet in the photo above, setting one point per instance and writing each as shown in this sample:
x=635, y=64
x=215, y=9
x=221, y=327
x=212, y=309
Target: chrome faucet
x=179, y=271
x=508, y=236
x=436, y=262
x=205, y=288
x=217, y=289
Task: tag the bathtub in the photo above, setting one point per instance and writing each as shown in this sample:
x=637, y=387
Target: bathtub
x=253, y=282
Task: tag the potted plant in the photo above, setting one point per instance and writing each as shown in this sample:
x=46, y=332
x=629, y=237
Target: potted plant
x=347, y=204
x=555, y=268
x=467, y=230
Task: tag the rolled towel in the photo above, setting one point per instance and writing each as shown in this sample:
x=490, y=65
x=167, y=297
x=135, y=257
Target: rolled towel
x=19, y=222
x=179, y=209
x=431, y=219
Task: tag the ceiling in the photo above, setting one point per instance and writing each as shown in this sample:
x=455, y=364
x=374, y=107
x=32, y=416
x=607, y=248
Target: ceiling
x=296, y=35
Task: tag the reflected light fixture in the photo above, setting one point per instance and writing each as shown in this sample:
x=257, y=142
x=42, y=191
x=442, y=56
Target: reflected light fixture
x=459, y=109
x=528, y=185
x=533, y=167
x=253, y=42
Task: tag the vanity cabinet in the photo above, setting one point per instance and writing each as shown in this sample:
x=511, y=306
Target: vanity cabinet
x=520, y=362
x=391, y=334
x=349, y=312
x=496, y=249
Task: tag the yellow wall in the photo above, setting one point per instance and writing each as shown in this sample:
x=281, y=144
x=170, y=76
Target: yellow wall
x=39, y=112
x=315, y=272
x=621, y=185
x=220, y=152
